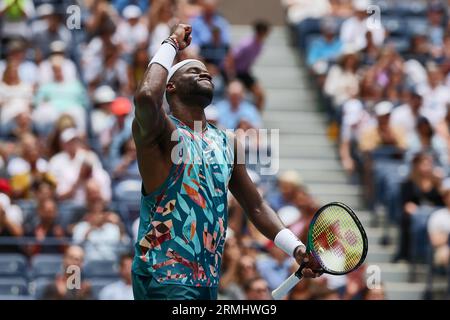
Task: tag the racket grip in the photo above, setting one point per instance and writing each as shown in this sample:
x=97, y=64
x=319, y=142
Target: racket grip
x=286, y=286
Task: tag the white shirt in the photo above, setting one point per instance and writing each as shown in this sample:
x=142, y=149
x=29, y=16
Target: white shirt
x=117, y=291
x=435, y=103
x=298, y=10
x=402, y=116
x=17, y=28
x=341, y=85
x=161, y=32
x=66, y=172
x=101, y=243
x=439, y=222
x=46, y=74
x=14, y=99
x=353, y=32
x=28, y=71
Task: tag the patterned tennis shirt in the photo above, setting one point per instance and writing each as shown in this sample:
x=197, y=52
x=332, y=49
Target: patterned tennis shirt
x=183, y=223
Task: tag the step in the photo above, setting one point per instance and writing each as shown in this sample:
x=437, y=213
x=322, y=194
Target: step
x=300, y=129
x=282, y=99
x=311, y=164
x=309, y=152
x=353, y=201
x=294, y=117
x=313, y=176
x=336, y=189
x=400, y=272
x=404, y=290
x=273, y=56
x=380, y=254
x=289, y=140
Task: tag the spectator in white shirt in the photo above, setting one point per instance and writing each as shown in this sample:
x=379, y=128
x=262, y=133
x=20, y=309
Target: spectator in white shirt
x=99, y=237
x=74, y=166
x=131, y=33
x=439, y=230
x=68, y=68
x=406, y=115
x=15, y=52
x=120, y=290
x=436, y=96
x=354, y=29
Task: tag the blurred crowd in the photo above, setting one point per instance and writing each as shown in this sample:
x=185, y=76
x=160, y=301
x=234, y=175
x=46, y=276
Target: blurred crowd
x=382, y=69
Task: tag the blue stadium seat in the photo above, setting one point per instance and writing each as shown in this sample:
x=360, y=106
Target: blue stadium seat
x=394, y=26
x=101, y=269
x=97, y=284
x=13, y=286
x=13, y=265
x=38, y=286
x=46, y=265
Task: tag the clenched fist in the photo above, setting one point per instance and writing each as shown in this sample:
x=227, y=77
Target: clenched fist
x=182, y=35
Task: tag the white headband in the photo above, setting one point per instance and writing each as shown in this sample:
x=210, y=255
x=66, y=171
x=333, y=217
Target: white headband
x=178, y=66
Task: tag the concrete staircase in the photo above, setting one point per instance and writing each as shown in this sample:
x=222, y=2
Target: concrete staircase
x=292, y=107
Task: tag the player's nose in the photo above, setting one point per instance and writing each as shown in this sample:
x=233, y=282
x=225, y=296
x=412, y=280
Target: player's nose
x=205, y=75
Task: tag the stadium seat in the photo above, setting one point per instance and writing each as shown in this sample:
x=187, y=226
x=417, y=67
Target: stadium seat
x=12, y=265
x=394, y=26
x=97, y=284
x=46, y=265
x=101, y=269
x=38, y=286
x=13, y=286
x=416, y=25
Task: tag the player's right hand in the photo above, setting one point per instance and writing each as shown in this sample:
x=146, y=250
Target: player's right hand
x=182, y=34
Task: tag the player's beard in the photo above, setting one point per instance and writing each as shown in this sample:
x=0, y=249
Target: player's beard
x=197, y=92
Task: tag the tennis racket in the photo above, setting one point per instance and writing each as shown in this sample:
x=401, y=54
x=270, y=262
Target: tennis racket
x=336, y=239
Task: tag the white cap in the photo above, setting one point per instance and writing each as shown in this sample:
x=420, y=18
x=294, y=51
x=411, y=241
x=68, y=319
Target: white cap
x=291, y=176
x=383, y=108
x=68, y=135
x=361, y=5
x=180, y=65
x=289, y=215
x=131, y=12
x=104, y=94
x=45, y=9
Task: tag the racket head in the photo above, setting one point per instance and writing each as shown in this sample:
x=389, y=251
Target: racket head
x=349, y=248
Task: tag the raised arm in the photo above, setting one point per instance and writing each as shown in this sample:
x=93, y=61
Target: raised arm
x=262, y=215
x=150, y=119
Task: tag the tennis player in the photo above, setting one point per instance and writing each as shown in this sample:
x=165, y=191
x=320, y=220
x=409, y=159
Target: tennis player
x=187, y=170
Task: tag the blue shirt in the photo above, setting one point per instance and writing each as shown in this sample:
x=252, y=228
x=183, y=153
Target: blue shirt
x=273, y=272
x=201, y=30
x=183, y=223
x=229, y=118
x=320, y=49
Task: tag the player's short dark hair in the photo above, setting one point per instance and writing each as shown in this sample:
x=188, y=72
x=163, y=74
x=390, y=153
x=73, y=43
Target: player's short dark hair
x=261, y=26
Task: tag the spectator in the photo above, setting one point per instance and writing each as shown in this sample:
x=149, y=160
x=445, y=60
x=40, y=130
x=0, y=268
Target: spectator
x=439, y=230
x=59, y=290
x=383, y=134
x=57, y=57
x=52, y=29
x=235, y=108
x=324, y=50
x=137, y=67
x=406, y=115
x=15, y=54
x=160, y=21
x=289, y=182
x=59, y=97
x=14, y=15
x=244, y=57
x=204, y=25
x=421, y=188
x=11, y=220
x=46, y=227
x=425, y=140
x=14, y=94
x=131, y=33
x=257, y=289
x=101, y=115
x=300, y=10
x=342, y=83
x=276, y=267
x=126, y=166
x=98, y=235
x=121, y=289
x=28, y=168
x=74, y=166
x=229, y=287
x=355, y=28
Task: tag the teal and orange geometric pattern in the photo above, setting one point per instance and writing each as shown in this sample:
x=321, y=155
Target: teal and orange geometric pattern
x=183, y=223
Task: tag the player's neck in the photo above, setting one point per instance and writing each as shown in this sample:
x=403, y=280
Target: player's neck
x=190, y=115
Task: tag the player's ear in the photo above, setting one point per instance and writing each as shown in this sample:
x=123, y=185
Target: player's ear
x=170, y=87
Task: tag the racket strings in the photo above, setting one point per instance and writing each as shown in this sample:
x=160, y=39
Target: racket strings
x=337, y=239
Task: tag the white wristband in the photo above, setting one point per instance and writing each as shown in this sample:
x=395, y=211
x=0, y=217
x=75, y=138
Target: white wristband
x=287, y=241
x=164, y=56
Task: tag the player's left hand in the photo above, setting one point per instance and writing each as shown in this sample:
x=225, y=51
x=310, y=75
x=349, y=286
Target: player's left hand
x=302, y=256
